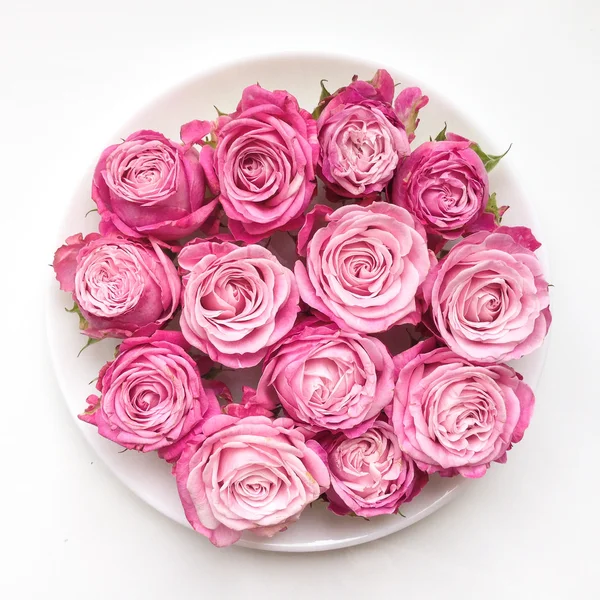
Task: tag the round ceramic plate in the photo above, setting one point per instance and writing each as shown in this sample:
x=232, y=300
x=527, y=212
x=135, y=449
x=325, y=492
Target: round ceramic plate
x=145, y=474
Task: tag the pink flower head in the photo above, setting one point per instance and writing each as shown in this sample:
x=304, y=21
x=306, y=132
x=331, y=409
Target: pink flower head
x=265, y=163
x=363, y=269
x=488, y=299
x=454, y=417
x=237, y=301
x=370, y=475
x=407, y=106
x=149, y=186
x=151, y=395
x=328, y=379
x=121, y=287
x=445, y=186
x=361, y=138
x=249, y=474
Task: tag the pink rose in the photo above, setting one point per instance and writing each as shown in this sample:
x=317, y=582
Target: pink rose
x=407, y=106
x=454, y=417
x=150, y=186
x=120, y=287
x=364, y=267
x=249, y=474
x=488, y=298
x=151, y=396
x=328, y=379
x=370, y=475
x=265, y=163
x=445, y=186
x=361, y=138
x=236, y=301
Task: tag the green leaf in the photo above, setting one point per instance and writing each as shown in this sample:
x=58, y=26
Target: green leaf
x=220, y=112
x=90, y=211
x=325, y=93
x=90, y=342
x=83, y=324
x=492, y=207
x=441, y=136
x=489, y=160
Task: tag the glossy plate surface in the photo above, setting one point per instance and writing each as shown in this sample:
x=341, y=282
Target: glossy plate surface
x=145, y=474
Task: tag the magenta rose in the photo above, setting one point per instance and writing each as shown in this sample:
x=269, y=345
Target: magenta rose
x=454, y=417
x=120, y=287
x=328, y=379
x=237, y=301
x=265, y=163
x=407, y=106
x=364, y=267
x=250, y=474
x=488, y=299
x=362, y=139
x=370, y=475
x=445, y=185
x=149, y=186
x=151, y=396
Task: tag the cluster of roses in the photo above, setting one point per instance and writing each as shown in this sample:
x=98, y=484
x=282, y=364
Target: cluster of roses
x=182, y=271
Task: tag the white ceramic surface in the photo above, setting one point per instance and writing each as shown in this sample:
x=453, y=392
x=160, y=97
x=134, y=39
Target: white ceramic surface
x=146, y=475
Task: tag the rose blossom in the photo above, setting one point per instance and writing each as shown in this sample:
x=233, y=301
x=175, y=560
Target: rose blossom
x=445, y=185
x=248, y=474
x=370, y=475
x=264, y=163
x=237, y=301
x=121, y=287
x=151, y=395
x=454, y=417
x=362, y=139
x=328, y=379
x=364, y=267
x=407, y=106
x=488, y=298
x=150, y=186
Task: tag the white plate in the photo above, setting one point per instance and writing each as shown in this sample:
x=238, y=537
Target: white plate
x=145, y=474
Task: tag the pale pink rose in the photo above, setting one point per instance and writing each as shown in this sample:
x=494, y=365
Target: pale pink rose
x=407, y=106
x=264, y=163
x=250, y=474
x=454, y=417
x=149, y=186
x=488, y=299
x=152, y=395
x=363, y=269
x=362, y=139
x=121, y=287
x=445, y=186
x=328, y=379
x=237, y=301
x=370, y=475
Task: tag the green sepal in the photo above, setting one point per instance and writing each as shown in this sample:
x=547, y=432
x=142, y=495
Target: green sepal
x=493, y=208
x=399, y=512
x=489, y=160
x=441, y=136
x=91, y=341
x=83, y=324
x=325, y=93
x=220, y=113
x=90, y=211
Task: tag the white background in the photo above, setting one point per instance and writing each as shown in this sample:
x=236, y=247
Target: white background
x=70, y=75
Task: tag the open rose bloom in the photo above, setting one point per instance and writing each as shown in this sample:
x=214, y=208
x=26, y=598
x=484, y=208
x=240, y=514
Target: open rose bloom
x=121, y=287
x=152, y=395
x=252, y=474
x=455, y=417
x=150, y=186
x=311, y=309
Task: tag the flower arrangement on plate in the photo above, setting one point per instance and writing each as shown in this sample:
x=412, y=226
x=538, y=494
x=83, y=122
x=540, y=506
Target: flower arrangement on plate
x=372, y=282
